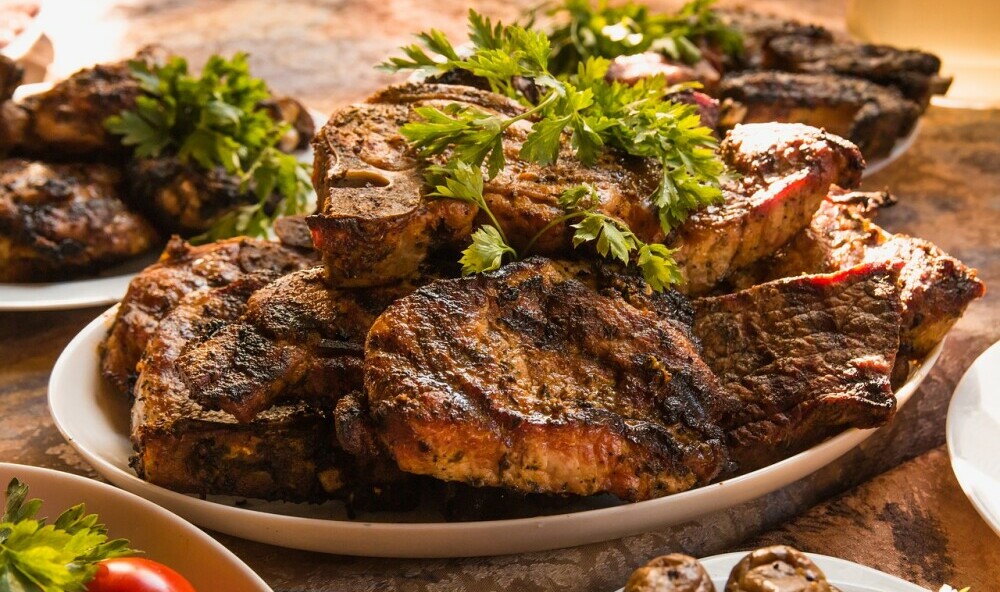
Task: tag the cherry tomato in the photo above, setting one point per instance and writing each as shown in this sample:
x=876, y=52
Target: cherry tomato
x=136, y=574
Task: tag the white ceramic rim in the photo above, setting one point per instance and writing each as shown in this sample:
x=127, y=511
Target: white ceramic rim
x=462, y=539
x=974, y=476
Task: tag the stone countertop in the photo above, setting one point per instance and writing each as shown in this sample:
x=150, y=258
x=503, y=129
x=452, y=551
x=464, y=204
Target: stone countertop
x=913, y=521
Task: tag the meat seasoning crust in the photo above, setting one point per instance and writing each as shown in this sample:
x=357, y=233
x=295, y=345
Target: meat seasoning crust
x=803, y=358
x=530, y=379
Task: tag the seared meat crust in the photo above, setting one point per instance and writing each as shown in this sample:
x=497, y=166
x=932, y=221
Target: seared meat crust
x=375, y=224
x=181, y=269
x=530, y=379
x=935, y=288
x=803, y=358
x=785, y=171
x=61, y=220
x=297, y=338
x=871, y=116
x=286, y=453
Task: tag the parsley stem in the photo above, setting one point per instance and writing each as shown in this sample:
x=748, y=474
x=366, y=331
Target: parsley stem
x=550, y=225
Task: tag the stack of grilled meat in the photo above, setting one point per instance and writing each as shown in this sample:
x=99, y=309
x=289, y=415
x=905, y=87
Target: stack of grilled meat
x=73, y=201
x=792, y=72
x=369, y=367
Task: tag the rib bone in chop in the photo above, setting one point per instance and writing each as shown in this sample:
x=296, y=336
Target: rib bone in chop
x=532, y=379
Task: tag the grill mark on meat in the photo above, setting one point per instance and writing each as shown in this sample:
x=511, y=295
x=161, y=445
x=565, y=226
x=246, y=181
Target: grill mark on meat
x=935, y=288
x=869, y=115
x=532, y=379
x=62, y=220
x=803, y=358
x=183, y=268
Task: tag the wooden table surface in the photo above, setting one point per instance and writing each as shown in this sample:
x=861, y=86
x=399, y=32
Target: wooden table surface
x=893, y=503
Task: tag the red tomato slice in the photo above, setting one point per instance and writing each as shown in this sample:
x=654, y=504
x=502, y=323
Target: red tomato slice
x=136, y=574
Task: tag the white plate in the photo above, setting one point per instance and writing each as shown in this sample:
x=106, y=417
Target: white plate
x=846, y=575
x=164, y=537
x=111, y=285
x=95, y=421
x=973, y=433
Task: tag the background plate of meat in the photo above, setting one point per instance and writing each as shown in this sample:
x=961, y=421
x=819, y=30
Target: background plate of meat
x=847, y=576
x=95, y=420
x=56, y=272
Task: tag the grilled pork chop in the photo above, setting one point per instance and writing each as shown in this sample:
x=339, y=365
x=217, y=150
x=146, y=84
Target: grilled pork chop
x=935, y=288
x=285, y=454
x=297, y=336
x=803, y=358
x=529, y=378
x=914, y=73
x=61, y=220
x=181, y=269
x=375, y=224
x=871, y=116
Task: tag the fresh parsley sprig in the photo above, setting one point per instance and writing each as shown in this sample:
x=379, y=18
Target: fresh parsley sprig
x=595, y=115
x=581, y=30
x=216, y=120
x=58, y=557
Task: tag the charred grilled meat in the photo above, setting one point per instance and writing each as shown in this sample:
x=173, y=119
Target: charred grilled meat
x=914, y=73
x=785, y=170
x=935, y=288
x=11, y=75
x=287, y=339
x=285, y=454
x=182, y=269
x=803, y=358
x=529, y=378
x=671, y=573
x=182, y=197
x=871, y=116
x=60, y=220
x=375, y=224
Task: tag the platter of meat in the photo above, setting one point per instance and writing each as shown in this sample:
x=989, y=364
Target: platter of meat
x=79, y=213
x=768, y=568
x=94, y=418
x=536, y=306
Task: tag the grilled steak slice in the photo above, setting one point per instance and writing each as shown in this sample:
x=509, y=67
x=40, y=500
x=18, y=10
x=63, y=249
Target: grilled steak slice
x=375, y=224
x=297, y=337
x=914, y=73
x=61, y=220
x=803, y=358
x=935, y=288
x=530, y=378
x=785, y=170
x=871, y=116
x=286, y=453
x=759, y=30
x=181, y=269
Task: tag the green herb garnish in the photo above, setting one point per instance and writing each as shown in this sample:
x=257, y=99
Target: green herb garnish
x=216, y=120
x=596, y=114
x=59, y=557
x=581, y=30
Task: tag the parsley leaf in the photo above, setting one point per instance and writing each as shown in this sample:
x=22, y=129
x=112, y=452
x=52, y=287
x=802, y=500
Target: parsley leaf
x=486, y=251
x=58, y=557
x=594, y=114
x=215, y=120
